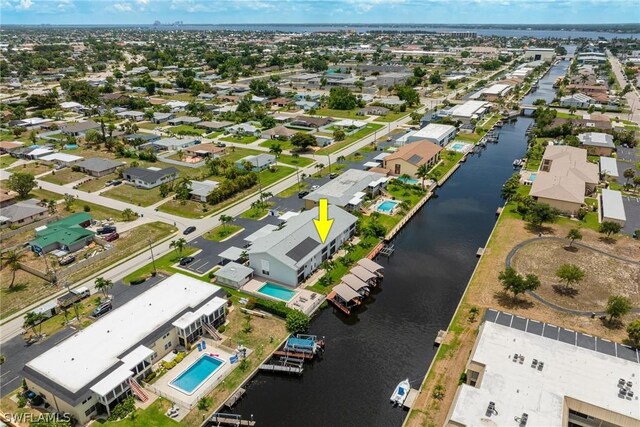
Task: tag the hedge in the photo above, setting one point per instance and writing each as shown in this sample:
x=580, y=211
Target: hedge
x=277, y=308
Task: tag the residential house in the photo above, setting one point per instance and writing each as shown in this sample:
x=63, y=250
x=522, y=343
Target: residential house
x=69, y=234
x=116, y=353
x=205, y=150
x=161, y=117
x=609, y=169
x=79, y=129
x=98, y=166
x=175, y=143
x=184, y=120
x=233, y=274
x=7, y=197
x=470, y=111
x=200, y=190
x=21, y=213
x=564, y=178
x=135, y=116
x=177, y=106
x=373, y=111
x=280, y=102
x=213, y=126
x=73, y=106
x=311, y=122
x=151, y=177
x=348, y=190
x=61, y=159
x=8, y=146
x=577, y=100
x=434, y=132
x=141, y=138
x=495, y=92
x=259, y=162
x=307, y=105
x=244, y=129
x=408, y=158
x=349, y=124
x=278, y=132
x=392, y=78
x=597, y=143
x=293, y=253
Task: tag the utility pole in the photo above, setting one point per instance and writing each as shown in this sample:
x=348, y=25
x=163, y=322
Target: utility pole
x=329, y=157
x=153, y=261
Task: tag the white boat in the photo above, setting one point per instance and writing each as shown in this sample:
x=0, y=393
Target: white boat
x=400, y=393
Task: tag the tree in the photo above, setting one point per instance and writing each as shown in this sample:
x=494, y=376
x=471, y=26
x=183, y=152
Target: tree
x=572, y=235
x=339, y=135
x=103, y=285
x=165, y=189
x=422, y=173
x=11, y=259
x=297, y=322
x=408, y=95
x=633, y=331
x=69, y=199
x=22, y=183
x=516, y=283
x=128, y=214
x=225, y=220
x=628, y=174
x=618, y=306
x=541, y=213
x=571, y=274
x=510, y=188
x=33, y=320
x=276, y=150
x=178, y=245
x=341, y=98
x=51, y=207
x=302, y=140
x=610, y=227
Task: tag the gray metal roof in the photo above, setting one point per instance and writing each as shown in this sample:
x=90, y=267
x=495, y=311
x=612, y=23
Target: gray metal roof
x=612, y=205
x=148, y=175
x=98, y=164
x=234, y=272
x=80, y=127
x=341, y=189
x=596, y=139
x=22, y=210
x=295, y=243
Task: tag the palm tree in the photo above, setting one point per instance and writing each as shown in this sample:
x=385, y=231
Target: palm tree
x=225, y=219
x=103, y=285
x=32, y=320
x=319, y=166
x=405, y=206
x=51, y=206
x=128, y=214
x=341, y=159
x=276, y=150
x=178, y=245
x=12, y=259
x=422, y=173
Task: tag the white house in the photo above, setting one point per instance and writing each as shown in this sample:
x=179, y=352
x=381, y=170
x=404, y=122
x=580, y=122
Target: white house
x=578, y=100
x=433, y=132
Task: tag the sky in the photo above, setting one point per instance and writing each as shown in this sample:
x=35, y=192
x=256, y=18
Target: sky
x=319, y=11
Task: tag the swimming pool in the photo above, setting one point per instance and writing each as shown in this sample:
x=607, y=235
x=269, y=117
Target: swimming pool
x=532, y=176
x=387, y=206
x=278, y=292
x=458, y=146
x=409, y=181
x=196, y=374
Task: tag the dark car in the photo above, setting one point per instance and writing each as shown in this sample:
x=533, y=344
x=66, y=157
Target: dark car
x=221, y=144
x=107, y=229
x=333, y=175
x=111, y=237
x=302, y=193
x=189, y=230
x=116, y=182
x=186, y=260
x=67, y=260
x=103, y=308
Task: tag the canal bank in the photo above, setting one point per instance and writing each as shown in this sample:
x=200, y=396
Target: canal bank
x=391, y=338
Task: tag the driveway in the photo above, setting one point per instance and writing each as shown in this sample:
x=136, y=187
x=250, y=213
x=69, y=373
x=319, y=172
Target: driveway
x=632, y=212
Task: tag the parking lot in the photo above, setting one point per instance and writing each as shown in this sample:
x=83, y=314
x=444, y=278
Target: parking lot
x=632, y=212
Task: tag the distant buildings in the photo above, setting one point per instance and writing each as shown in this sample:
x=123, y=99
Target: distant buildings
x=527, y=373
x=539, y=54
x=292, y=254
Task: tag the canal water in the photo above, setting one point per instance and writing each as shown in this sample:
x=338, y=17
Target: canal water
x=392, y=337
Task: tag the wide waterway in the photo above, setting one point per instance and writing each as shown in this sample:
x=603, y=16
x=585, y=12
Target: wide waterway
x=392, y=337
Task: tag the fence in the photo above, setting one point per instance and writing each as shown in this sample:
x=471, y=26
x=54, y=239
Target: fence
x=84, y=263
x=10, y=233
x=166, y=159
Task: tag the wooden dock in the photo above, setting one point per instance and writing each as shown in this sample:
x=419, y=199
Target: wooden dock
x=282, y=368
x=233, y=399
x=441, y=336
x=411, y=398
x=298, y=355
x=219, y=419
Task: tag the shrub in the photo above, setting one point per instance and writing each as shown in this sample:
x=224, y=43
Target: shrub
x=222, y=328
x=122, y=409
x=149, y=377
x=179, y=357
x=244, y=365
x=137, y=280
x=87, y=208
x=22, y=402
x=251, y=303
x=297, y=322
x=277, y=308
x=204, y=403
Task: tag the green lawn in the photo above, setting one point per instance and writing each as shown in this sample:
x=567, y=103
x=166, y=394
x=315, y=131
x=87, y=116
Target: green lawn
x=96, y=211
x=63, y=176
x=186, y=208
x=295, y=161
x=468, y=137
x=149, y=125
x=256, y=212
x=44, y=194
x=221, y=232
x=97, y=183
x=240, y=139
x=164, y=264
x=285, y=145
x=153, y=416
x=6, y=160
x=33, y=168
x=268, y=177
x=344, y=114
x=294, y=189
x=186, y=130
x=563, y=115
x=447, y=162
x=136, y=196
x=367, y=130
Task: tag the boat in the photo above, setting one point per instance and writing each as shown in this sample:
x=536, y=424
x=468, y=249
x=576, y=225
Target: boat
x=400, y=393
x=517, y=163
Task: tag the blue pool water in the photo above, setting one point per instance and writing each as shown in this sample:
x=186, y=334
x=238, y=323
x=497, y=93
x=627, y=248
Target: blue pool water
x=410, y=181
x=196, y=374
x=276, y=291
x=532, y=177
x=457, y=146
x=387, y=206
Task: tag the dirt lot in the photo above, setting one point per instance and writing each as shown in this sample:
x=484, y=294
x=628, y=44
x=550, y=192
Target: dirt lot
x=604, y=275
x=485, y=291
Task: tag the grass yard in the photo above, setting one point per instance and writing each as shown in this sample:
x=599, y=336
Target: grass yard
x=63, y=176
x=285, y=145
x=97, y=184
x=98, y=212
x=257, y=212
x=186, y=208
x=136, y=196
x=392, y=117
x=149, y=125
x=468, y=137
x=153, y=416
x=34, y=168
x=343, y=114
x=6, y=161
x=294, y=189
x=240, y=139
x=222, y=231
x=367, y=130
x=268, y=177
x=45, y=194
x=447, y=162
x=164, y=264
x=563, y=115
x=186, y=130
x=294, y=160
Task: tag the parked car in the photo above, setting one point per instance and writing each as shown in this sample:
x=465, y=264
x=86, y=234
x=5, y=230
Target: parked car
x=302, y=193
x=73, y=296
x=314, y=187
x=103, y=308
x=107, y=229
x=116, y=182
x=111, y=237
x=67, y=260
x=186, y=260
x=221, y=144
x=189, y=230
x=333, y=175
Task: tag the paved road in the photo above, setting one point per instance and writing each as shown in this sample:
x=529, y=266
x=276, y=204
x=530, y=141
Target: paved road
x=632, y=97
x=12, y=326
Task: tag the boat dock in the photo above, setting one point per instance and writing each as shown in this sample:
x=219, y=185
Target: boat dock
x=288, y=365
x=411, y=398
x=440, y=338
x=221, y=419
x=233, y=399
x=479, y=252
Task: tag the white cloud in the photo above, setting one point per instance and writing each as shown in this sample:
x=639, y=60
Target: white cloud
x=142, y=2
x=122, y=7
x=24, y=5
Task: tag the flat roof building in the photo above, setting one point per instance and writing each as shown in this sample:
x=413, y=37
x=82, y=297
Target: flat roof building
x=597, y=143
x=433, y=132
x=612, y=207
x=609, y=167
x=541, y=375
x=348, y=189
x=470, y=110
x=91, y=371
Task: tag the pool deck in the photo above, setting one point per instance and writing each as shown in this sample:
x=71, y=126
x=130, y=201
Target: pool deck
x=303, y=300
x=162, y=387
x=253, y=286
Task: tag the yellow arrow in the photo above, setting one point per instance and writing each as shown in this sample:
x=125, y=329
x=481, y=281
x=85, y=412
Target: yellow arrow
x=323, y=223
